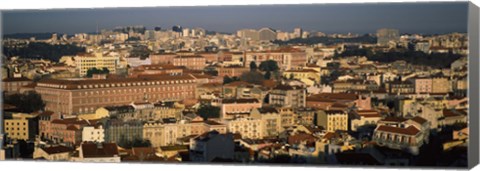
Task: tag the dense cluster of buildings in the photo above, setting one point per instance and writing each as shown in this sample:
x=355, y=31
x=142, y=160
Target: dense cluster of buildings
x=175, y=104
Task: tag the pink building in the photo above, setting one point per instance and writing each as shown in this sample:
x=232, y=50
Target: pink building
x=164, y=58
x=13, y=85
x=329, y=100
x=63, y=130
x=234, y=71
x=232, y=108
x=286, y=58
x=194, y=62
x=363, y=103
x=209, y=56
x=168, y=69
x=423, y=85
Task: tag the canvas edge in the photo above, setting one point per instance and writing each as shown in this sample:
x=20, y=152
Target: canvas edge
x=473, y=90
x=1, y=98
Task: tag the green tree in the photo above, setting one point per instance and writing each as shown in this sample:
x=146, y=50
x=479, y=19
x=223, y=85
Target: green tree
x=335, y=54
x=269, y=65
x=227, y=79
x=208, y=111
x=38, y=50
x=267, y=75
x=26, y=102
x=92, y=71
x=253, y=66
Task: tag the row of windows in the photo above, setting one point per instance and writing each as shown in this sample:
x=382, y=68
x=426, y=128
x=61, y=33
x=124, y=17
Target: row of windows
x=18, y=134
x=138, y=90
x=121, y=84
x=18, y=123
x=13, y=129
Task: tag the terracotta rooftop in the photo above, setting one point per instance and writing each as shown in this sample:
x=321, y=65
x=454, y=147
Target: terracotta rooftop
x=393, y=119
x=337, y=96
x=174, y=147
x=329, y=112
x=57, y=149
x=238, y=83
x=116, y=82
x=232, y=101
x=70, y=121
x=211, y=122
x=287, y=87
x=411, y=130
x=91, y=150
x=264, y=110
x=302, y=70
x=15, y=79
x=419, y=120
x=158, y=67
x=189, y=56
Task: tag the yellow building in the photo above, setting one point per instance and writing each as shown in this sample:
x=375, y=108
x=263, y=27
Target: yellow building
x=20, y=126
x=247, y=127
x=440, y=85
x=333, y=120
x=99, y=114
x=287, y=116
x=304, y=75
x=271, y=120
x=84, y=62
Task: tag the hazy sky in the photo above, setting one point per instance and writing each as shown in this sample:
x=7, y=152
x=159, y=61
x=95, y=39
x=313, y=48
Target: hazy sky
x=328, y=18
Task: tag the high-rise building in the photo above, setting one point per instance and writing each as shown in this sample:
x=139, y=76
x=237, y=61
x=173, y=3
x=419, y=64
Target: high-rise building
x=384, y=36
x=149, y=35
x=297, y=32
x=267, y=34
x=186, y=32
x=248, y=34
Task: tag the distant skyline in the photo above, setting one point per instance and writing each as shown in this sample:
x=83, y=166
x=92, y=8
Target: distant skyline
x=425, y=18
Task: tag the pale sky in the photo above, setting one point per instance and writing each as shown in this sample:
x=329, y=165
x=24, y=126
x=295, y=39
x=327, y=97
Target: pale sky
x=329, y=18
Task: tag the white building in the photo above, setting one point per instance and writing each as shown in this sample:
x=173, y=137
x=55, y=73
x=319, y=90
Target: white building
x=97, y=153
x=93, y=134
x=137, y=61
x=57, y=153
x=361, y=118
x=401, y=134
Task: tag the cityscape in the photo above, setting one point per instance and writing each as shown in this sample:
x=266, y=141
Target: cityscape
x=255, y=95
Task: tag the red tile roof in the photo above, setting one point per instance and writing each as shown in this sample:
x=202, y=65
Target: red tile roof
x=419, y=120
x=57, y=149
x=15, y=79
x=91, y=150
x=393, y=119
x=411, y=130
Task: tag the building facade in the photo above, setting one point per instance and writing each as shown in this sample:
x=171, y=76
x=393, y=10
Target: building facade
x=72, y=97
x=288, y=96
